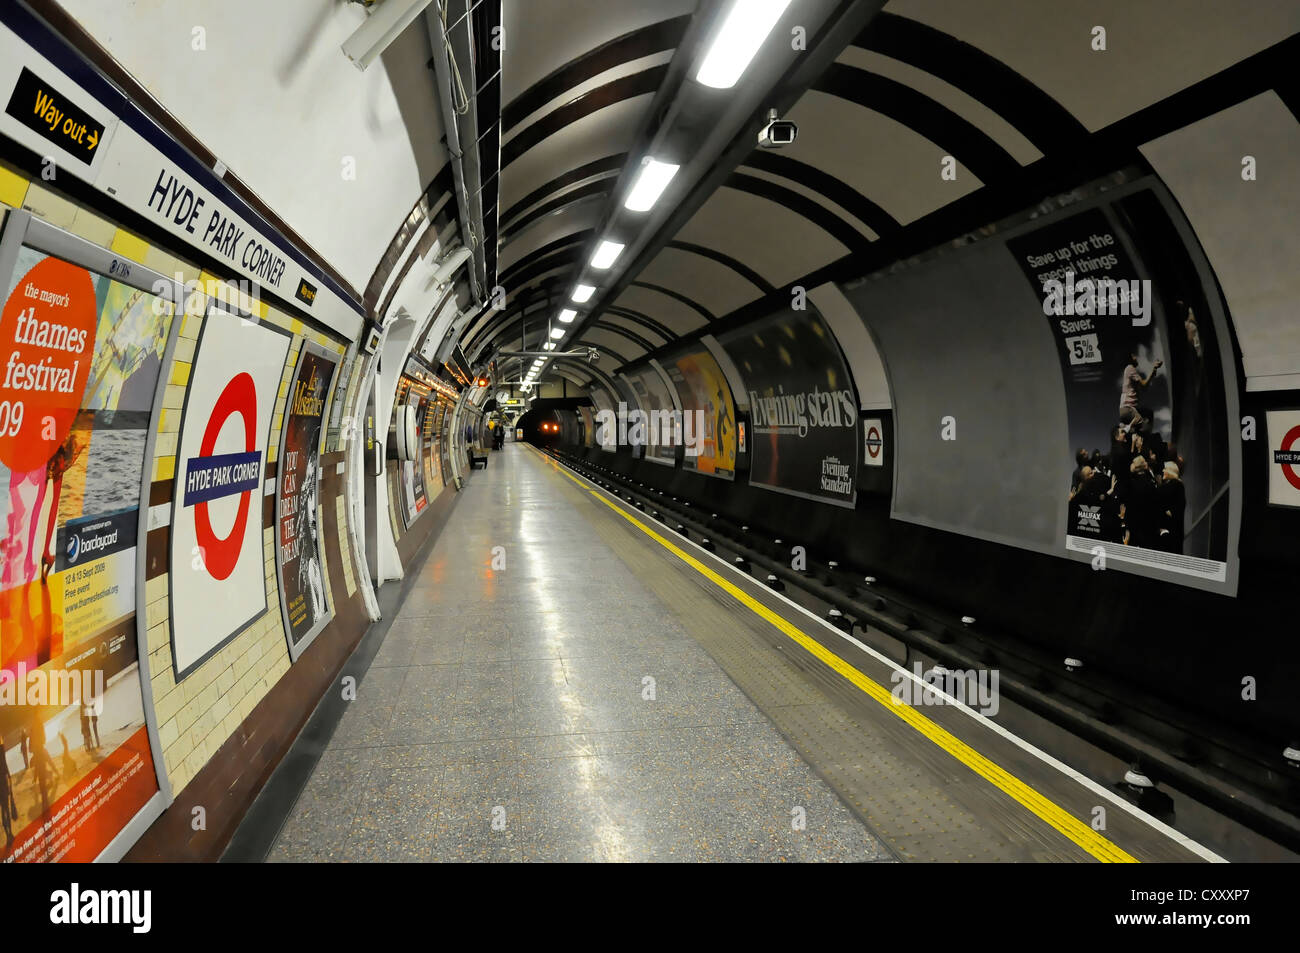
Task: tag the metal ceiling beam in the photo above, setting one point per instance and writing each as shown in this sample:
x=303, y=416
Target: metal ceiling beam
x=710, y=133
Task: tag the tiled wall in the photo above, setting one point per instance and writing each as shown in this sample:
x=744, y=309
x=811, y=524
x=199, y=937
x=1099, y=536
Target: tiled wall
x=199, y=715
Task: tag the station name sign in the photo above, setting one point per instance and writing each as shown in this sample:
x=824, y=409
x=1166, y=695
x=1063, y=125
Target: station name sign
x=72, y=130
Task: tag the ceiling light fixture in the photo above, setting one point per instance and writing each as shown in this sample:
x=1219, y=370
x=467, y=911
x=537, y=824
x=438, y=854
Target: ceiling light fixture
x=650, y=184
x=557, y=332
x=380, y=29
x=567, y=315
x=606, y=255
x=738, y=41
x=583, y=293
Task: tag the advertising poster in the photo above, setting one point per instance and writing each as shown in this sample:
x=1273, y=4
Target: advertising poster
x=606, y=437
x=444, y=446
x=218, y=573
x=803, y=407
x=708, y=413
x=588, y=426
x=1283, y=457
x=657, y=405
x=438, y=452
x=429, y=451
x=1145, y=442
x=299, y=557
x=81, y=356
x=414, y=495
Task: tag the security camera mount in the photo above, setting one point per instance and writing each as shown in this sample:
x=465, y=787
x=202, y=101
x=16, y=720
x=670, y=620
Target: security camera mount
x=777, y=132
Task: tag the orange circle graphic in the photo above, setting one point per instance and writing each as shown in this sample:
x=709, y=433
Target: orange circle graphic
x=47, y=342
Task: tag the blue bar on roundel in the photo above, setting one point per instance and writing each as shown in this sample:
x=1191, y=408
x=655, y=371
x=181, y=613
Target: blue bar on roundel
x=226, y=474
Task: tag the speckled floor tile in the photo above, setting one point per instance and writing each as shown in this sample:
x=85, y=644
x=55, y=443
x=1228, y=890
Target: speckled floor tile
x=556, y=714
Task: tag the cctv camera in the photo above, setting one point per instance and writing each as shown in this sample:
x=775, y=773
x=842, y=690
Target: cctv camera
x=777, y=132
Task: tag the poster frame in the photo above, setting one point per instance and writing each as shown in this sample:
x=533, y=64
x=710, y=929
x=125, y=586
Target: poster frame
x=859, y=432
x=315, y=350
x=689, y=349
x=20, y=228
x=1231, y=384
x=214, y=306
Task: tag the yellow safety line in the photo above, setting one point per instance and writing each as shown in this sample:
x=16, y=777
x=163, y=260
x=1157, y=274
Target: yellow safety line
x=1050, y=812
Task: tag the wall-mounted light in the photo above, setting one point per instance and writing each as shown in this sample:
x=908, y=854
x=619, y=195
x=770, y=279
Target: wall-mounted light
x=650, y=184
x=380, y=29
x=606, y=255
x=583, y=293
x=738, y=41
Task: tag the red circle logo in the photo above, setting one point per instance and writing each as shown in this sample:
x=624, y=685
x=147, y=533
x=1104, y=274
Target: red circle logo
x=47, y=341
x=221, y=555
x=874, y=443
x=1288, y=469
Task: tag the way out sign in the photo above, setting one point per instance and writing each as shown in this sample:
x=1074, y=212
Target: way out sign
x=54, y=117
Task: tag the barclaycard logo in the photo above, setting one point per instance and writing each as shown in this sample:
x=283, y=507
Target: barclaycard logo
x=77, y=544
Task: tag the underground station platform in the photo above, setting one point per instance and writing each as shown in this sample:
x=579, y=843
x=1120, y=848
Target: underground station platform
x=853, y=434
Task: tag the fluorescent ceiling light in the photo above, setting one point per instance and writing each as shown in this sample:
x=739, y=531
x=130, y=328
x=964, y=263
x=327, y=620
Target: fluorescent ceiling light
x=606, y=255
x=736, y=43
x=557, y=332
x=650, y=184
x=583, y=293
x=548, y=346
x=567, y=315
x=380, y=29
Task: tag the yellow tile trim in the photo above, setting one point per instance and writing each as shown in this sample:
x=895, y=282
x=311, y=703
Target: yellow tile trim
x=13, y=188
x=130, y=246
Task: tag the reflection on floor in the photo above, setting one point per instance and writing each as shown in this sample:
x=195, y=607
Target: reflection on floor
x=554, y=710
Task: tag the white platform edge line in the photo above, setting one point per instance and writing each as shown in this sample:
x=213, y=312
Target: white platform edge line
x=1098, y=789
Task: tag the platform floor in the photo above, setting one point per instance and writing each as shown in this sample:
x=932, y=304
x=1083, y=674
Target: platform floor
x=604, y=697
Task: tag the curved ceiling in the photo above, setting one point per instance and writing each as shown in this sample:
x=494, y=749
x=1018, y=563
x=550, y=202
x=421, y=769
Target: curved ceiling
x=988, y=90
x=919, y=121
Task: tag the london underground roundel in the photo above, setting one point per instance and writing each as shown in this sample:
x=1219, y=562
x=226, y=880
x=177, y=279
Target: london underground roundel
x=211, y=477
x=218, y=532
